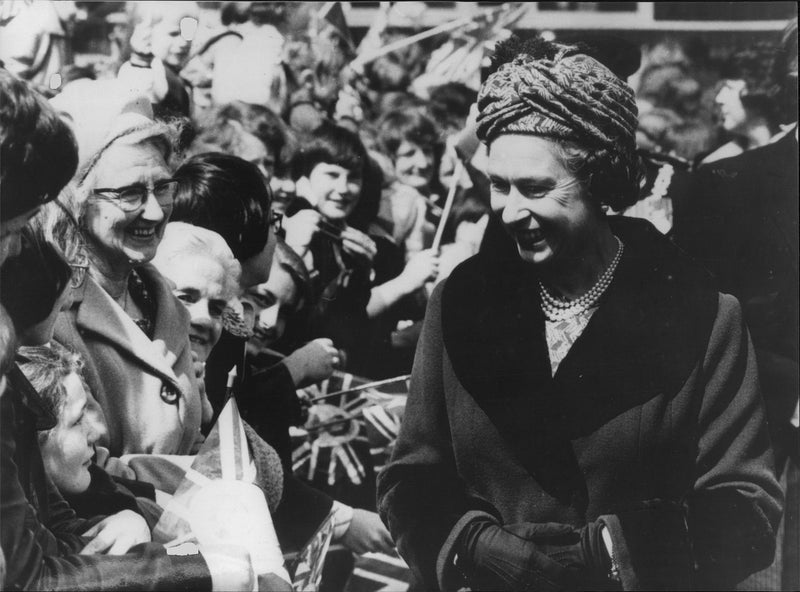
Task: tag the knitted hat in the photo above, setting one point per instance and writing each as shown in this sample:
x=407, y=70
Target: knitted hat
x=571, y=97
x=99, y=112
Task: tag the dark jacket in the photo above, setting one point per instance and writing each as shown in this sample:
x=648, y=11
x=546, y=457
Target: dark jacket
x=655, y=405
x=741, y=222
x=41, y=533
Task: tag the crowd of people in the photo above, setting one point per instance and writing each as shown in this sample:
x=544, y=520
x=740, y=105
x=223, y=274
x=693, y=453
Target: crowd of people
x=593, y=284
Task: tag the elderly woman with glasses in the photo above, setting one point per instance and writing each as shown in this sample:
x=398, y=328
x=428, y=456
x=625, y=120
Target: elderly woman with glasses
x=125, y=321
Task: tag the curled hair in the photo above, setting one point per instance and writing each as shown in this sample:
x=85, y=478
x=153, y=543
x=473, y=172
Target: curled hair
x=182, y=241
x=38, y=153
x=259, y=121
x=611, y=178
x=331, y=144
x=228, y=195
x=755, y=66
x=46, y=367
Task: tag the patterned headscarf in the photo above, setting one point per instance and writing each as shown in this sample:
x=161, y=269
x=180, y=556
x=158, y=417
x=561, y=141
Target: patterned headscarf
x=570, y=97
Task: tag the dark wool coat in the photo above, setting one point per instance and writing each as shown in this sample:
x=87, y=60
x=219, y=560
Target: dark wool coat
x=741, y=222
x=656, y=405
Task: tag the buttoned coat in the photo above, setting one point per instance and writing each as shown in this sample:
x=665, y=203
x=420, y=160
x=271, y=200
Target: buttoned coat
x=146, y=389
x=656, y=405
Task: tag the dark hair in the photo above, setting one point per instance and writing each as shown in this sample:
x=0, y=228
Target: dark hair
x=450, y=103
x=755, y=66
x=267, y=13
x=407, y=125
x=38, y=153
x=233, y=13
x=331, y=144
x=33, y=281
x=262, y=123
x=225, y=194
x=369, y=202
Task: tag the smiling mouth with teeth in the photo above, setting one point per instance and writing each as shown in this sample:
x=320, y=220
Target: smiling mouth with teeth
x=143, y=232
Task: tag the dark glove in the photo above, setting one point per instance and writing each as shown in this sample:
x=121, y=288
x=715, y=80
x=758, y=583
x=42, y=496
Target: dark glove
x=581, y=551
x=529, y=556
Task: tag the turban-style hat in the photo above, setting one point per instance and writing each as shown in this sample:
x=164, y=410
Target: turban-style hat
x=570, y=97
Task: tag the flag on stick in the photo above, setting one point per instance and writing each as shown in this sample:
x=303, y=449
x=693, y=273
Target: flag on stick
x=217, y=502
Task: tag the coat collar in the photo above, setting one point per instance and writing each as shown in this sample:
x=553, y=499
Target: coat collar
x=644, y=340
x=98, y=313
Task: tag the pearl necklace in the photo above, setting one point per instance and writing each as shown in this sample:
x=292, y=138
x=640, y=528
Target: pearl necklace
x=556, y=308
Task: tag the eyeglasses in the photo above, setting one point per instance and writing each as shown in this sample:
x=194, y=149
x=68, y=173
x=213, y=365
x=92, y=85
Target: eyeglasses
x=133, y=197
x=276, y=221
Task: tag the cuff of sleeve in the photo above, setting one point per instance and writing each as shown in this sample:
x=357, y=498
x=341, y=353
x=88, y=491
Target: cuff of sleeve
x=620, y=554
x=342, y=517
x=651, y=547
x=448, y=577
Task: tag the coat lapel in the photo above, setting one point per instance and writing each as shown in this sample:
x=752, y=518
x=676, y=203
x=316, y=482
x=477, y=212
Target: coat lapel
x=99, y=314
x=494, y=335
x=643, y=341
x=645, y=338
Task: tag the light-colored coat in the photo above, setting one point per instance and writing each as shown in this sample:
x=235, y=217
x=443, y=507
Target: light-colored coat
x=127, y=372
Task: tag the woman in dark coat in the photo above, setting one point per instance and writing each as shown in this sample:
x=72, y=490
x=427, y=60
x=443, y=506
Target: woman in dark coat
x=585, y=414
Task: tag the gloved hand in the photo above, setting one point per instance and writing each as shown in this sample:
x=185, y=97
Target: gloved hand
x=530, y=556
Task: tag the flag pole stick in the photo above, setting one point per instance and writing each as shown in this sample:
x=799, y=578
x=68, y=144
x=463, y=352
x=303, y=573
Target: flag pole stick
x=401, y=43
x=362, y=387
x=448, y=205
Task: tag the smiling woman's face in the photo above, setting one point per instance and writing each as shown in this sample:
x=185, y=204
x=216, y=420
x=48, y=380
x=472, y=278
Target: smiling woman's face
x=120, y=239
x=200, y=285
x=335, y=190
x=68, y=448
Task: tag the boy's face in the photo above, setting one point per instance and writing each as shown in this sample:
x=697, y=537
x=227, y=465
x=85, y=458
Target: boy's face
x=335, y=190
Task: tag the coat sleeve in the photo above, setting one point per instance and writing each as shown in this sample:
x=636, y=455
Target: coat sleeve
x=45, y=557
x=421, y=497
x=737, y=502
x=726, y=529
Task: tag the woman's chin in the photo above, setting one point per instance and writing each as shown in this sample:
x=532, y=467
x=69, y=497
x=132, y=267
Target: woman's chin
x=140, y=256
